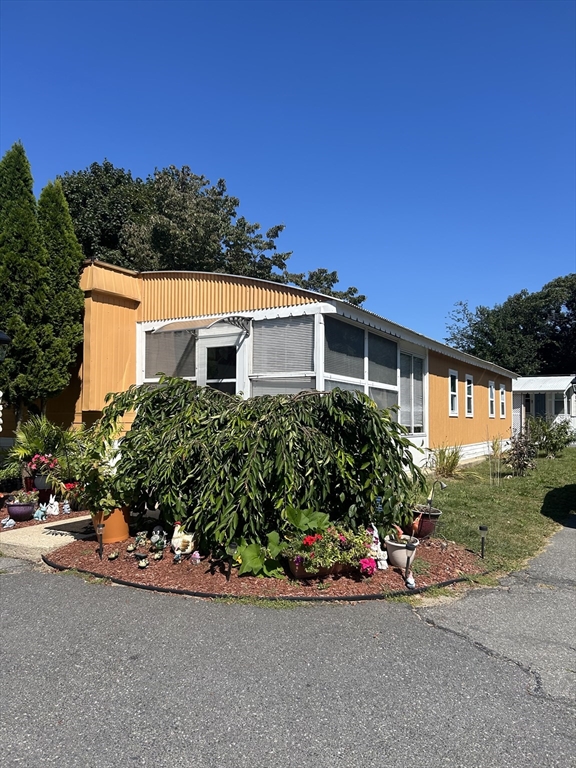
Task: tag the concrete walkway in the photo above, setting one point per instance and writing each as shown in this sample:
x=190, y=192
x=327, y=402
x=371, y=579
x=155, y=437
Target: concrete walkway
x=32, y=542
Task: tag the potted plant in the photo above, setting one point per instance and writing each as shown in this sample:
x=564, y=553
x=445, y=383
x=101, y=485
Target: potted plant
x=396, y=543
x=332, y=550
x=98, y=489
x=23, y=506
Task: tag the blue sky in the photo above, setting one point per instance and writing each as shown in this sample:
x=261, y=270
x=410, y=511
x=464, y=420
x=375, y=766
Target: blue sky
x=424, y=150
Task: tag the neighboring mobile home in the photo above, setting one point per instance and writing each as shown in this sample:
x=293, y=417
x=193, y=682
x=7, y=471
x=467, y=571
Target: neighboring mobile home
x=256, y=337
x=549, y=397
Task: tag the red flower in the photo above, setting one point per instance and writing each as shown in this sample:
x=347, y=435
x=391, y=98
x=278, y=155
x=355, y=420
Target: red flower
x=308, y=541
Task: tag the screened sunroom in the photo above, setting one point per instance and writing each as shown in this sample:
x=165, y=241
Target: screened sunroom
x=287, y=351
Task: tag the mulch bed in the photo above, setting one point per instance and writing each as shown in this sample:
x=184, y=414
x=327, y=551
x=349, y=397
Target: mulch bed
x=437, y=561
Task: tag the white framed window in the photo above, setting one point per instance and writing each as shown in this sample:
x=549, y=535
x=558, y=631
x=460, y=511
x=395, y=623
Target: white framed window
x=170, y=352
x=412, y=393
x=491, y=399
x=469, y=395
x=453, y=392
x=502, y=401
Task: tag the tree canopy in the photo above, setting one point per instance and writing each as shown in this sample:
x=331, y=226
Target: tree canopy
x=530, y=333
x=178, y=220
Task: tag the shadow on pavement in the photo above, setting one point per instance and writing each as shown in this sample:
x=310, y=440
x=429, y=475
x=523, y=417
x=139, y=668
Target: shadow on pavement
x=560, y=505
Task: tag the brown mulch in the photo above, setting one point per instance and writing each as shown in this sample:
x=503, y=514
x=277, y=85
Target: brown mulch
x=437, y=561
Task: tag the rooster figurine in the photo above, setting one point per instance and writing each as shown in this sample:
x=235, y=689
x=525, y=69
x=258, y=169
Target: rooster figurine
x=182, y=543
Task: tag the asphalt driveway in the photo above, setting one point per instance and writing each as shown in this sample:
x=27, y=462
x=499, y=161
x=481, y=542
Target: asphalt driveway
x=98, y=676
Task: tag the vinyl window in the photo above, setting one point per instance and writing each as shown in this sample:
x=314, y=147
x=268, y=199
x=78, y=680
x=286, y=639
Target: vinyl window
x=469, y=395
x=453, y=392
x=412, y=393
x=170, y=352
x=502, y=401
x=491, y=400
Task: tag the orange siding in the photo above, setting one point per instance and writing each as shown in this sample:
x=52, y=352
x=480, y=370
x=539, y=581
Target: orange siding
x=167, y=295
x=462, y=430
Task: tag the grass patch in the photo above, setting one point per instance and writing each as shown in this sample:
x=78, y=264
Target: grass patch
x=261, y=602
x=521, y=513
x=87, y=577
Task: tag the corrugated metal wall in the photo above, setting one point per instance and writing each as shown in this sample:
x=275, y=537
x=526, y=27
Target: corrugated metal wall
x=168, y=295
x=463, y=430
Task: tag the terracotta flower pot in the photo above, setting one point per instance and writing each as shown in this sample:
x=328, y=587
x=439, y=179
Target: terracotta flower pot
x=115, y=525
x=299, y=572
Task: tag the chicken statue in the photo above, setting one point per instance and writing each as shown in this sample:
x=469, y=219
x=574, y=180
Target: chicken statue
x=182, y=543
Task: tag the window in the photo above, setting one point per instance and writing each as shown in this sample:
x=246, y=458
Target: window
x=384, y=398
x=221, y=369
x=469, y=395
x=281, y=386
x=412, y=393
x=170, y=352
x=344, y=349
x=382, y=360
x=283, y=345
x=491, y=400
x=502, y=401
x=527, y=404
x=453, y=392
x=558, y=403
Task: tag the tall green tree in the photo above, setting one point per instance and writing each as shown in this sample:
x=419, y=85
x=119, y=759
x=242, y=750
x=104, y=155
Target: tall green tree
x=23, y=283
x=178, y=220
x=65, y=297
x=530, y=333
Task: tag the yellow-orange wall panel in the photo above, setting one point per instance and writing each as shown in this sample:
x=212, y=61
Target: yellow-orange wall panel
x=462, y=430
x=183, y=294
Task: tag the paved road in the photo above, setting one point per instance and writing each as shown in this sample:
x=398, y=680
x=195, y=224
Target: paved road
x=98, y=676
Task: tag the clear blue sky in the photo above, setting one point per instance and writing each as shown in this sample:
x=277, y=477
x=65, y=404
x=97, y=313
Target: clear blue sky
x=425, y=150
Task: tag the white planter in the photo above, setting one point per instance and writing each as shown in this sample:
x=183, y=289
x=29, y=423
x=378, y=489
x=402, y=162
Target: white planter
x=397, y=552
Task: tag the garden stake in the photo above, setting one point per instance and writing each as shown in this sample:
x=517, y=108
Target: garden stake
x=99, y=532
x=483, y=531
x=232, y=549
x=409, y=548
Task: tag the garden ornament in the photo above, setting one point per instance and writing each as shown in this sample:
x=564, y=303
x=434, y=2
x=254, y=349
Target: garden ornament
x=410, y=583
x=8, y=522
x=159, y=538
x=40, y=513
x=66, y=508
x=376, y=550
x=141, y=538
x=53, y=506
x=182, y=543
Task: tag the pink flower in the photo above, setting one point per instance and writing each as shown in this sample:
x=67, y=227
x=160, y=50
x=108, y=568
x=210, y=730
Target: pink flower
x=367, y=566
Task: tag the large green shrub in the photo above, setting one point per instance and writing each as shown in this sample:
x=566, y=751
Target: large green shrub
x=231, y=467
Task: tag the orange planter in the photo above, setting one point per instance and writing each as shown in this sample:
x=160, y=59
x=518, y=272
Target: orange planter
x=115, y=525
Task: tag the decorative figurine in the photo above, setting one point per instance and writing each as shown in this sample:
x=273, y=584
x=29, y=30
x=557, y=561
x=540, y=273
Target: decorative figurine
x=53, y=506
x=66, y=507
x=113, y=555
x=158, y=555
x=376, y=550
x=8, y=522
x=40, y=513
x=141, y=538
x=182, y=543
x=159, y=538
x=143, y=563
x=195, y=558
x=131, y=547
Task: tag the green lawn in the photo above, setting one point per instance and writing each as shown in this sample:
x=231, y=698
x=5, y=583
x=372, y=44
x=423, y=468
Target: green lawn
x=521, y=513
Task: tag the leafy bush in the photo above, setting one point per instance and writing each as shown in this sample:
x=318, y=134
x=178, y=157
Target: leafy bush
x=231, y=467
x=551, y=437
x=521, y=456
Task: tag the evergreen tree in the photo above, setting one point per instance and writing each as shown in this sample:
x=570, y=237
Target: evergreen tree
x=23, y=283
x=65, y=297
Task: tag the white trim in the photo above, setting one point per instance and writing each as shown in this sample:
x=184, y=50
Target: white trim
x=319, y=340
x=502, y=405
x=469, y=379
x=451, y=393
x=491, y=400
